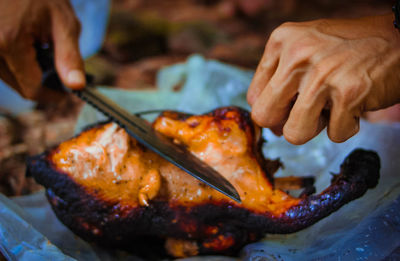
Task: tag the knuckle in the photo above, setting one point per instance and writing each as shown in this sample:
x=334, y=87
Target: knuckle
x=299, y=53
x=350, y=89
x=340, y=133
x=287, y=25
x=271, y=46
x=294, y=137
x=321, y=24
x=322, y=68
x=257, y=118
x=260, y=118
x=264, y=114
x=304, y=49
x=299, y=129
x=282, y=31
x=250, y=98
x=316, y=90
x=274, y=35
x=334, y=135
x=339, y=137
x=350, y=94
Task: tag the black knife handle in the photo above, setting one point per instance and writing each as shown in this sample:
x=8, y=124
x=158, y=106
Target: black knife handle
x=50, y=78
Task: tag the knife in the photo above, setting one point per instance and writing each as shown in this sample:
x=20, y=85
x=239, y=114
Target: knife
x=138, y=128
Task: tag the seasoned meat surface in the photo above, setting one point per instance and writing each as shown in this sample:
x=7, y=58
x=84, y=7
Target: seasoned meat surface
x=108, y=188
x=106, y=159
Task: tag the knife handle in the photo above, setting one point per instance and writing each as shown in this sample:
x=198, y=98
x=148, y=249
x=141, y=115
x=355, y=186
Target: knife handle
x=50, y=78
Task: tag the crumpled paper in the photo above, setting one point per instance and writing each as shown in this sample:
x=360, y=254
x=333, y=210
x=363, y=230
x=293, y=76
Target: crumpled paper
x=365, y=229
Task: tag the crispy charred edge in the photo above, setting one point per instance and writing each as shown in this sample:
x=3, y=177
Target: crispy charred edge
x=220, y=113
x=93, y=218
x=358, y=173
x=110, y=224
x=114, y=225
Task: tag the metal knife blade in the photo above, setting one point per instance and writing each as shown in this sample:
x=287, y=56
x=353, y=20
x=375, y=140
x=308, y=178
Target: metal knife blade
x=157, y=142
x=136, y=127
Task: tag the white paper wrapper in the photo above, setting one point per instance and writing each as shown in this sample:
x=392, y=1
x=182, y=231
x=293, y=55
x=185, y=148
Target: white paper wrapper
x=365, y=229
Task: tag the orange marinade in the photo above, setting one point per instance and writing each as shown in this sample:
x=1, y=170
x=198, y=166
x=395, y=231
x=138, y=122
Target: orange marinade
x=106, y=161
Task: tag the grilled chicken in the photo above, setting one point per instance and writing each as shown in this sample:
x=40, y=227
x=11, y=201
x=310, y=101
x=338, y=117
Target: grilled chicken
x=108, y=188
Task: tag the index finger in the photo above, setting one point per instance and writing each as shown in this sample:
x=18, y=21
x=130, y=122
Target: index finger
x=68, y=60
x=265, y=70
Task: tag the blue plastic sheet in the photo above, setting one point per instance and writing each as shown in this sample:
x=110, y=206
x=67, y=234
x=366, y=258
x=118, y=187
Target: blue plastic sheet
x=20, y=240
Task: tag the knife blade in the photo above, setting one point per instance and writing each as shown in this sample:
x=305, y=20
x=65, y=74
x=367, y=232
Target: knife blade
x=141, y=130
x=157, y=142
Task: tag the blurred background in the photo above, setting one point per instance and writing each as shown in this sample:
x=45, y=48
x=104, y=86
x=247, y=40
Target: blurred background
x=145, y=35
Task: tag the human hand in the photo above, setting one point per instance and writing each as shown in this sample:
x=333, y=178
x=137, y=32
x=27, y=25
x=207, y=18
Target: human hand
x=326, y=73
x=24, y=22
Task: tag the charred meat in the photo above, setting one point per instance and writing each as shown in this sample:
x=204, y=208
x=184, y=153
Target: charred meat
x=109, y=189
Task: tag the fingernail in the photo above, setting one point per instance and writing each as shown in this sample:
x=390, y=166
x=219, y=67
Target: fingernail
x=76, y=79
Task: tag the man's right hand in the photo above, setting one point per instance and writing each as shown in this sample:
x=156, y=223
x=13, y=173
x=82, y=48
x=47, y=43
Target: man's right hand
x=326, y=73
x=24, y=22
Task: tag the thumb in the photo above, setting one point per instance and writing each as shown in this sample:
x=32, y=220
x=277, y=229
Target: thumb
x=21, y=69
x=68, y=60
